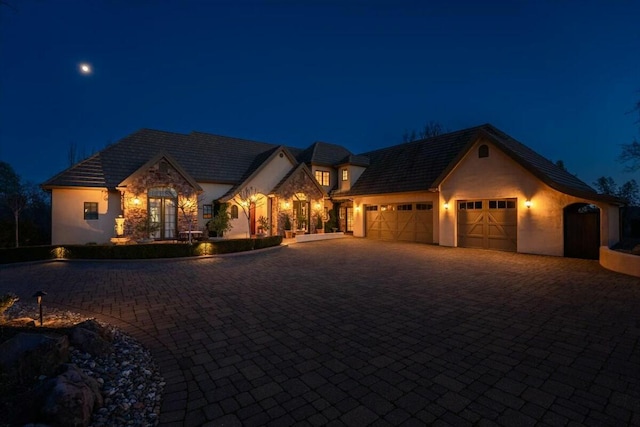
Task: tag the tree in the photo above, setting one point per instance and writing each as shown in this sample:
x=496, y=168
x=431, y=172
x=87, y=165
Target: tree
x=221, y=221
x=629, y=191
x=429, y=130
x=630, y=154
x=248, y=199
x=188, y=205
x=12, y=194
x=606, y=185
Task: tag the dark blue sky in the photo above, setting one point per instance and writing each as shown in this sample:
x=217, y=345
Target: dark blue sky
x=560, y=77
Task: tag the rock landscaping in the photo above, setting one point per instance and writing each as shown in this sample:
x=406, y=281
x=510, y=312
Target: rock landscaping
x=73, y=371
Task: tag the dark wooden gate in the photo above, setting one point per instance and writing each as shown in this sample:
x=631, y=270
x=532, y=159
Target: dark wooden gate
x=581, y=231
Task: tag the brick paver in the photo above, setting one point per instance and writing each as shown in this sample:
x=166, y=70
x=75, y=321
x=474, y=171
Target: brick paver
x=358, y=332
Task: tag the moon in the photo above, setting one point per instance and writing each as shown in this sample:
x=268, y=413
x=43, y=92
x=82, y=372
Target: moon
x=85, y=68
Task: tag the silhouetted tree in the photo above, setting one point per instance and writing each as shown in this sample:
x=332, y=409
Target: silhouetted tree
x=629, y=191
x=429, y=130
x=630, y=154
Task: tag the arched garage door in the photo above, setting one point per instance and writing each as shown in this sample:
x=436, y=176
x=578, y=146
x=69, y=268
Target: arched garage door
x=412, y=222
x=488, y=224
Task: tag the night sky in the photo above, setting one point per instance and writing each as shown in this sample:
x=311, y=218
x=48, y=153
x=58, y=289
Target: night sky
x=559, y=76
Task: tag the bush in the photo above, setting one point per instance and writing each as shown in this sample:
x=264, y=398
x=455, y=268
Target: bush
x=140, y=251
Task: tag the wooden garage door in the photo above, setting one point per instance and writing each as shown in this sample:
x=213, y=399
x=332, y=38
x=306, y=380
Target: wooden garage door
x=488, y=224
x=412, y=222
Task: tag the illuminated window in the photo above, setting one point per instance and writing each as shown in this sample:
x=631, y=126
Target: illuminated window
x=483, y=151
x=345, y=174
x=322, y=177
x=90, y=210
x=234, y=212
x=207, y=211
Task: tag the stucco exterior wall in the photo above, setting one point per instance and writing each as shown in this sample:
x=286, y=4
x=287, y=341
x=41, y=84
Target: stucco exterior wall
x=263, y=182
x=540, y=228
x=413, y=197
x=354, y=173
x=67, y=214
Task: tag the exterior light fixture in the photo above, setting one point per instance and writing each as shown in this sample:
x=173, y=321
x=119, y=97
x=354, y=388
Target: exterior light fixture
x=357, y=208
x=527, y=203
x=136, y=200
x=446, y=205
x=39, y=295
x=286, y=205
x=317, y=205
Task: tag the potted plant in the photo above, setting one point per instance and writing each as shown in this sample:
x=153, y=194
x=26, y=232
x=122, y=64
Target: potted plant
x=319, y=227
x=288, y=234
x=330, y=226
x=301, y=224
x=263, y=225
x=220, y=223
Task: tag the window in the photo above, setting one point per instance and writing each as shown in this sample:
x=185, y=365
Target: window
x=322, y=177
x=371, y=208
x=345, y=174
x=405, y=207
x=234, y=212
x=424, y=206
x=470, y=205
x=207, y=211
x=90, y=210
x=502, y=204
x=483, y=151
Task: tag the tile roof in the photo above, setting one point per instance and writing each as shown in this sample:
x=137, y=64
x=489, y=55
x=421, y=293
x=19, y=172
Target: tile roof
x=423, y=164
x=412, y=166
x=206, y=157
x=324, y=153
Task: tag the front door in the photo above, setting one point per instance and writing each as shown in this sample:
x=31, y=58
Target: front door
x=301, y=214
x=163, y=213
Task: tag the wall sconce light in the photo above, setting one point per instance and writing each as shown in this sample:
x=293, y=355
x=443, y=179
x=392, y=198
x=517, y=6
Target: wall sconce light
x=357, y=208
x=446, y=205
x=39, y=295
x=527, y=203
x=286, y=205
x=136, y=200
x=317, y=205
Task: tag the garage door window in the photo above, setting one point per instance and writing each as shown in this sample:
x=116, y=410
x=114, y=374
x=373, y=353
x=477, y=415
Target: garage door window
x=502, y=204
x=424, y=206
x=371, y=208
x=405, y=207
x=470, y=205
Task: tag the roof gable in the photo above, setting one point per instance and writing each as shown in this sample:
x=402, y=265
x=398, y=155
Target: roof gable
x=152, y=162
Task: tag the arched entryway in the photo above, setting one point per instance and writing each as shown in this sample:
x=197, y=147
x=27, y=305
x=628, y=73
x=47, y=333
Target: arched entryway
x=582, y=231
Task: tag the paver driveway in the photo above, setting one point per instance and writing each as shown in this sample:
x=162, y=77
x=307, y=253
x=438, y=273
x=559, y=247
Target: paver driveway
x=358, y=332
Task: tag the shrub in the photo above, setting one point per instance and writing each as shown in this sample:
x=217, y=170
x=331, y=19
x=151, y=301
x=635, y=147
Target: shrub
x=140, y=251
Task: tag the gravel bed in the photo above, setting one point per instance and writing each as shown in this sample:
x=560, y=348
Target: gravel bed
x=129, y=379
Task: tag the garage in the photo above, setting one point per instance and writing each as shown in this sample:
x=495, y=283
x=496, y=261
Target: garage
x=411, y=222
x=488, y=224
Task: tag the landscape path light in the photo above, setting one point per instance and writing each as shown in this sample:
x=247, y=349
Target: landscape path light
x=39, y=295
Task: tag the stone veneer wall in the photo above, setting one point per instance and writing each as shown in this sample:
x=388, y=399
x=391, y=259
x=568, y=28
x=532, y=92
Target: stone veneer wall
x=300, y=183
x=157, y=176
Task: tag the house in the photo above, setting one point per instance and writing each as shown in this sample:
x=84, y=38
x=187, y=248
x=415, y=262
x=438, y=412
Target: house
x=476, y=187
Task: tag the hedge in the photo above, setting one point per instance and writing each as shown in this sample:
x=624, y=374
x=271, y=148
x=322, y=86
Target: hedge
x=139, y=251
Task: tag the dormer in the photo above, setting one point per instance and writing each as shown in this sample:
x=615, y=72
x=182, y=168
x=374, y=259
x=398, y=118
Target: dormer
x=349, y=170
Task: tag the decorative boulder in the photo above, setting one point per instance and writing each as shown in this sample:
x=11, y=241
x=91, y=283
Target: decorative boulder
x=70, y=398
x=93, y=326
x=89, y=341
x=26, y=356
